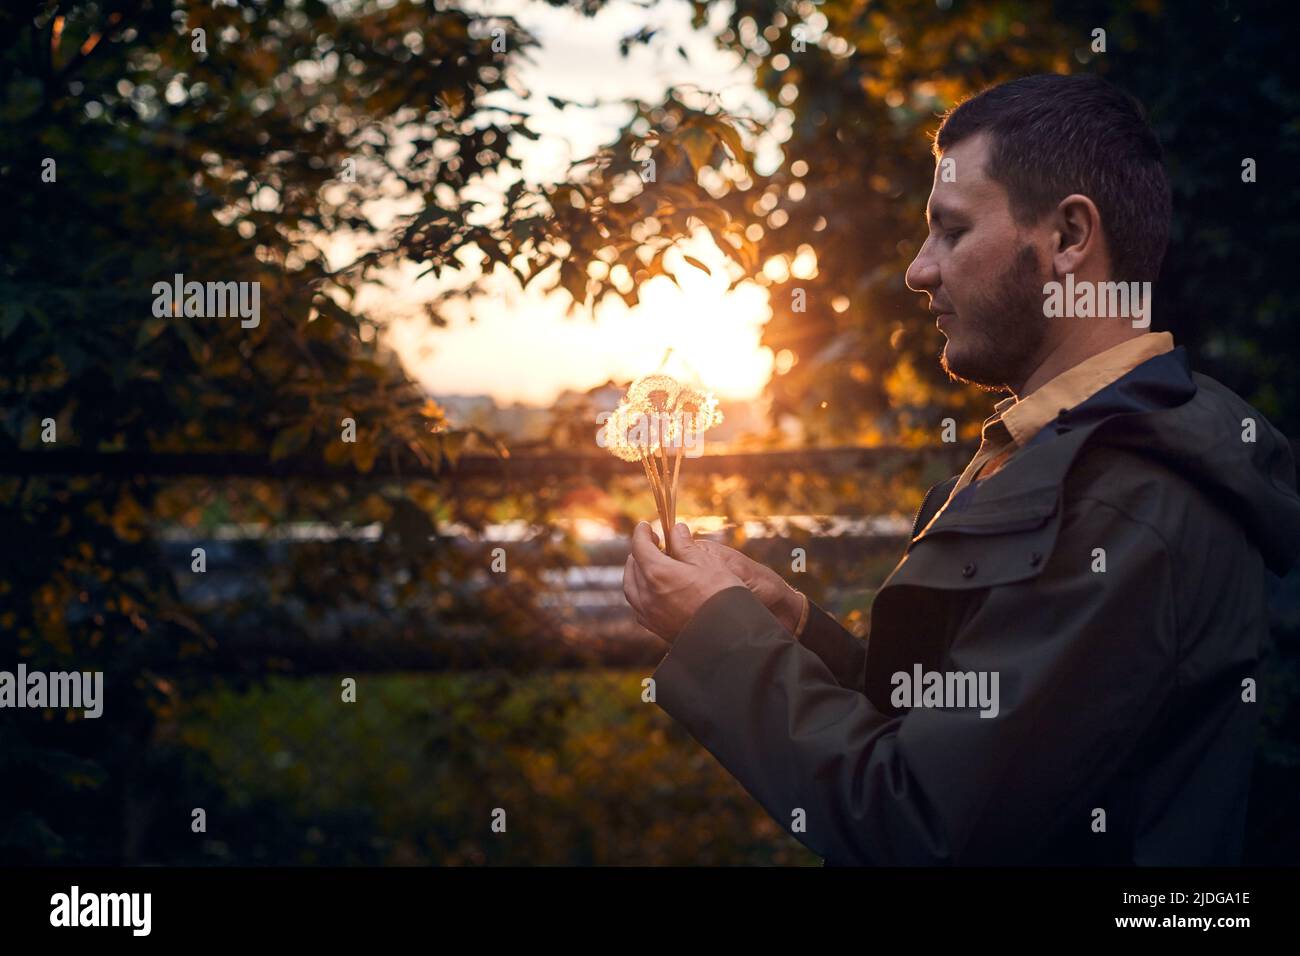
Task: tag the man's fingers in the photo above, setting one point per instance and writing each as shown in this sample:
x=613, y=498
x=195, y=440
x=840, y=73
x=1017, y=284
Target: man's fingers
x=683, y=541
x=634, y=590
x=720, y=551
x=645, y=547
x=734, y=561
x=632, y=584
x=635, y=585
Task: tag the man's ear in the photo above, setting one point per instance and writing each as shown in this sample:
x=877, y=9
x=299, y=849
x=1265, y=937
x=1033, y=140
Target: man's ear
x=1077, y=238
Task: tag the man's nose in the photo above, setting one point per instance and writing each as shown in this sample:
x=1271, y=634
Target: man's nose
x=923, y=274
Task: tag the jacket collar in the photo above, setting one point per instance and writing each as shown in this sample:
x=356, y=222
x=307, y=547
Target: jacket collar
x=1027, y=491
x=1024, y=418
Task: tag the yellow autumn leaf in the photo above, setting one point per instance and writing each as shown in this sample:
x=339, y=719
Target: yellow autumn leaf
x=698, y=264
x=698, y=145
x=453, y=443
x=363, y=456
x=336, y=453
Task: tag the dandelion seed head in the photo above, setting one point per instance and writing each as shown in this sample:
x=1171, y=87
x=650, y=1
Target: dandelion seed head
x=698, y=410
x=654, y=393
x=626, y=434
x=658, y=412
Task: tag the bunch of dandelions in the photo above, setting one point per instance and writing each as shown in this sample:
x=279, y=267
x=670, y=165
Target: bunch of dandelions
x=657, y=414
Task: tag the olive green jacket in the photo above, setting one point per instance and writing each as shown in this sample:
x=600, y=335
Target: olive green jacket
x=1113, y=574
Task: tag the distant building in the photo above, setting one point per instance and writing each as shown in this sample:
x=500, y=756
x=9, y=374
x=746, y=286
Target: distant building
x=570, y=420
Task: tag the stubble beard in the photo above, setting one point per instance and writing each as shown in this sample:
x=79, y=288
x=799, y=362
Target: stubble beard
x=1001, y=334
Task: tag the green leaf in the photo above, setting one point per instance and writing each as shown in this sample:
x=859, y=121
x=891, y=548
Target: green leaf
x=150, y=329
x=11, y=314
x=291, y=440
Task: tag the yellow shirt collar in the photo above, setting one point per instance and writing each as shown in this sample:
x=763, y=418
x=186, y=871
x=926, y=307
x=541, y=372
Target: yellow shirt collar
x=1024, y=418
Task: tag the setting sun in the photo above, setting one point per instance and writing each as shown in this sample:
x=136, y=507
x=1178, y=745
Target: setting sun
x=714, y=336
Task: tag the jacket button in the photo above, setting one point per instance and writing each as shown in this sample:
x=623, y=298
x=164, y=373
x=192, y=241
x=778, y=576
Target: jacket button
x=968, y=571
x=1035, y=559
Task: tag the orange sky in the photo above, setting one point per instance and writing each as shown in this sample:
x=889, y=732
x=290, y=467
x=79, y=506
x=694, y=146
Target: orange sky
x=520, y=346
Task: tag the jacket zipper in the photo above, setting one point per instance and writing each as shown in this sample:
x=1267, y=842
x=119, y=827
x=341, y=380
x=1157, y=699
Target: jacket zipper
x=921, y=510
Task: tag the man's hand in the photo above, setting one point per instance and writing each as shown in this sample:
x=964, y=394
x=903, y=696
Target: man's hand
x=785, y=603
x=666, y=592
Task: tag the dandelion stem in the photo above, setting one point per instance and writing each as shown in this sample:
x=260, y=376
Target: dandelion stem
x=672, y=509
x=668, y=497
x=660, y=504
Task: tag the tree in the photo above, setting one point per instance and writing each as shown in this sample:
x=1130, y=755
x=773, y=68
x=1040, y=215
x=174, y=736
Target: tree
x=150, y=139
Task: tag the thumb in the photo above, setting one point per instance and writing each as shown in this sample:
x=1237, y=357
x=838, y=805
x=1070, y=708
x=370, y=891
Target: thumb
x=684, y=545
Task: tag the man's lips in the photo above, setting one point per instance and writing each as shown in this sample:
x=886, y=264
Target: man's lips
x=940, y=315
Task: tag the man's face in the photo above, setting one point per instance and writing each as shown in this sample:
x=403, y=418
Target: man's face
x=983, y=273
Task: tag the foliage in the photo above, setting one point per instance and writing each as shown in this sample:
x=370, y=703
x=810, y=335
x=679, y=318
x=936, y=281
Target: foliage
x=586, y=772
x=222, y=161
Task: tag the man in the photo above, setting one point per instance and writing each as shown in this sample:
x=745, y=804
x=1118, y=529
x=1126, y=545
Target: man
x=1090, y=591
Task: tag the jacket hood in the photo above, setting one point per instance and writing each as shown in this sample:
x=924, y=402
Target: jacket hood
x=1204, y=431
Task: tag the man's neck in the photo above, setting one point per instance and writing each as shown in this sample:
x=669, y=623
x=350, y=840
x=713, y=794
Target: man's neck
x=1068, y=353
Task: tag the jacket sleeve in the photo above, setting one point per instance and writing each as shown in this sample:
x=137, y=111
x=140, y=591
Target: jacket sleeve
x=1084, y=659
x=843, y=654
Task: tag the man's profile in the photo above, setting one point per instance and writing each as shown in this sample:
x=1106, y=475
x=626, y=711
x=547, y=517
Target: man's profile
x=1061, y=667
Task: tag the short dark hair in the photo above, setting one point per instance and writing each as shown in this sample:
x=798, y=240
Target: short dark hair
x=1052, y=135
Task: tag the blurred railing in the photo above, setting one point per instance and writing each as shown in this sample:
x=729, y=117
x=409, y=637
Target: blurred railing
x=71, y=462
